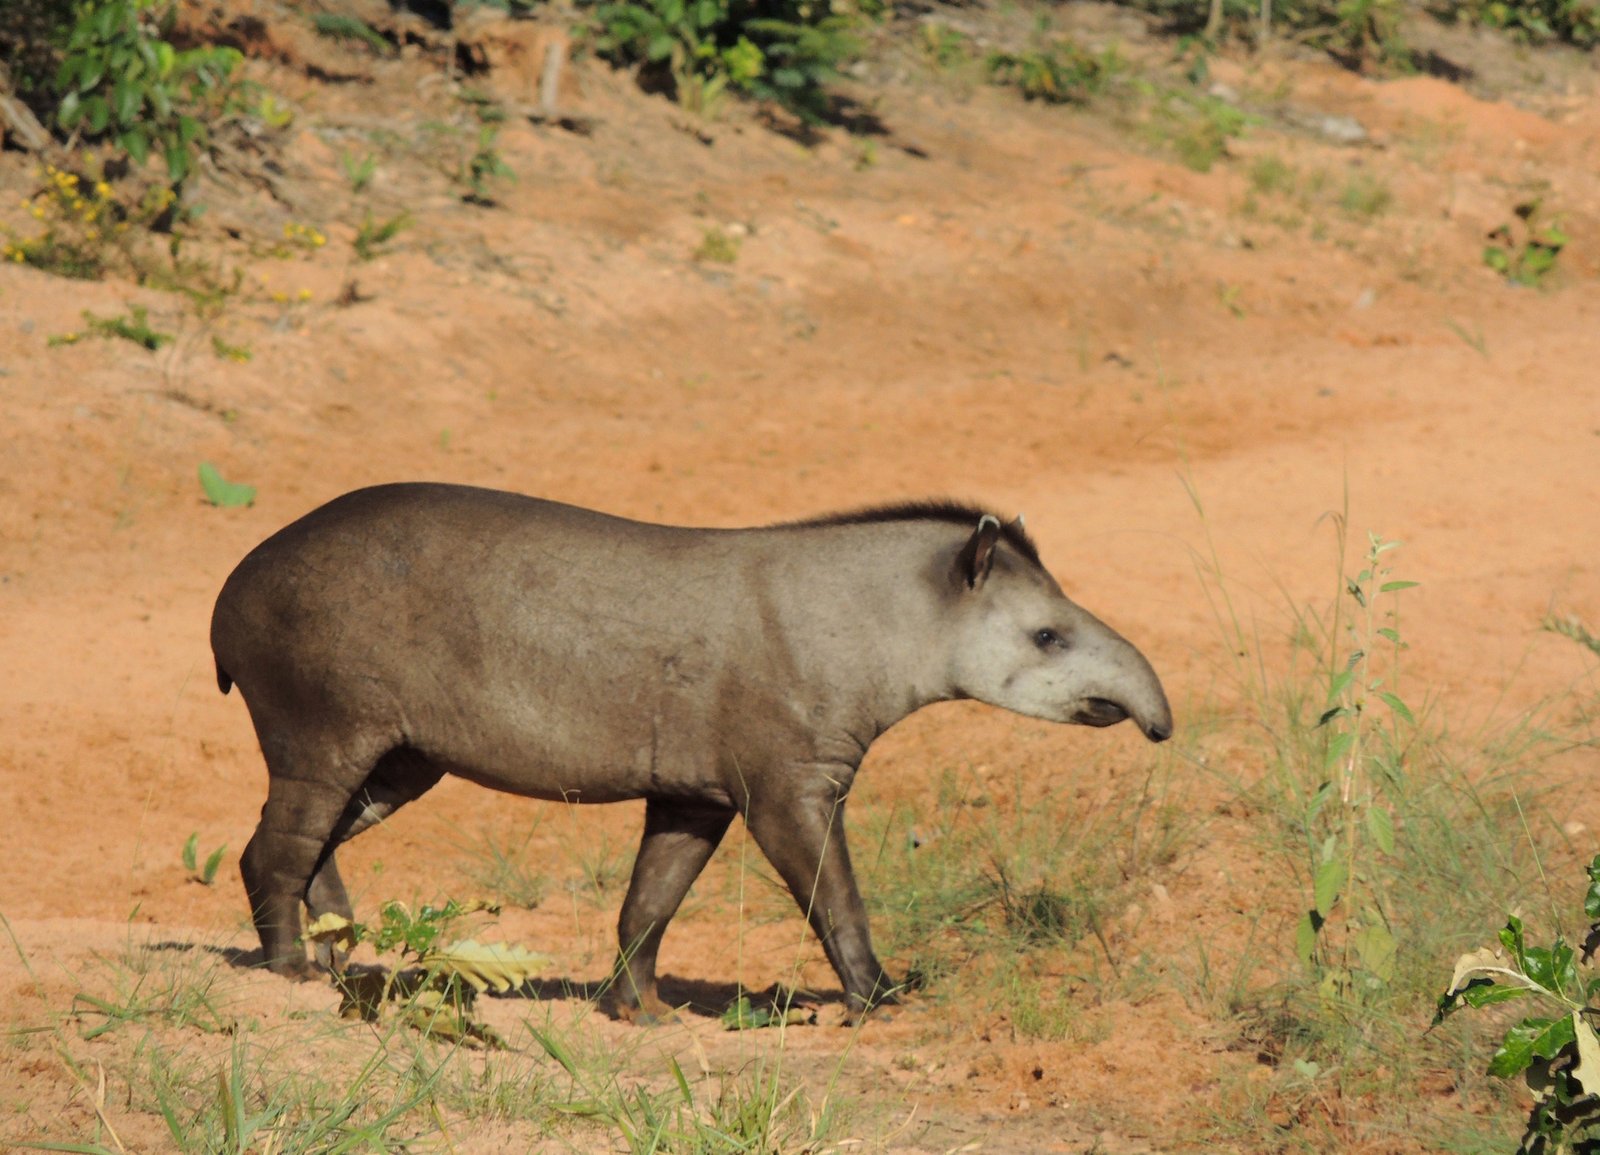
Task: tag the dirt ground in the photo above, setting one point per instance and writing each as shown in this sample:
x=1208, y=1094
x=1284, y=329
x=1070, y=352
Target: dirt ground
x=1035, y=308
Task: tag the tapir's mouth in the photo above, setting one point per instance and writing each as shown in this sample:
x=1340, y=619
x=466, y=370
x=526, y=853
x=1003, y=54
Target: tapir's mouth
x=1099, y=712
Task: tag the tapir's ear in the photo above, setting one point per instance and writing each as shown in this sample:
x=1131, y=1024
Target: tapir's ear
x=977, y=556
x=1016, y=524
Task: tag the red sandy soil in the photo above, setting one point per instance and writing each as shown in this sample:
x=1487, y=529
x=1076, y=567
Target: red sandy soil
x=1033, y=307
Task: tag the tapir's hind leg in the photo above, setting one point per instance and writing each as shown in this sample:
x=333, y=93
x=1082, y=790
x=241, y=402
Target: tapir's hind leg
x=308, y=789
x=679, y=840
x=402, y=775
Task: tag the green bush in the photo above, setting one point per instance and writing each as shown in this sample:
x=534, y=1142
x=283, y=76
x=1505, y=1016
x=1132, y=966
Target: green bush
x=1059, y=72
x=1575, y=21
x=120, y=79
x=785, y=51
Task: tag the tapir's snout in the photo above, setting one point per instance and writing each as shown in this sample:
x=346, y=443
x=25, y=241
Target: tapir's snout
x=1128, y=688
x=1105, y=712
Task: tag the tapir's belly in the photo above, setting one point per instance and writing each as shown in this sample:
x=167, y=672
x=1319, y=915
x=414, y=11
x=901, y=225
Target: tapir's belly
x=589, y=749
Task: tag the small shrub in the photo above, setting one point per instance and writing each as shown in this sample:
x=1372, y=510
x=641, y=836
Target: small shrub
x=1201, y=129
x=717, y=247
x=1061, y=72
x=134, y=327
x=359, y=172
x=1525, y=253
x=785, y=51
x=205, y=873
x=88, y=229
x=1365, y=195
x=944, y=46
x=1534, y=21
x=483, y=169
x=227, y=352
x=437, y=997
x=1272, y=174
x=121, y=80
x=374, y=234
x=1556, y=1052
x=350, y=29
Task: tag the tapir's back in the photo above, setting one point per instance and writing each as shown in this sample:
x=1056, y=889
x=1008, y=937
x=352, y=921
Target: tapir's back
x=527, y=644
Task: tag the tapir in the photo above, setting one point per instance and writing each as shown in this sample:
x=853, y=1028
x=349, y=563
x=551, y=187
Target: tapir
x=404, y=632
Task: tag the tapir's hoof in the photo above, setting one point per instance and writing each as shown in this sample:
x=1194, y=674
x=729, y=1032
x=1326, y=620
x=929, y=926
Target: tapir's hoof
x=645, y=1013
x=299, y=970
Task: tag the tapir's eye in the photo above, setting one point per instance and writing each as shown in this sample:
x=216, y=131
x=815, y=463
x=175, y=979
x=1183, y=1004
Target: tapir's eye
x=1048, y=639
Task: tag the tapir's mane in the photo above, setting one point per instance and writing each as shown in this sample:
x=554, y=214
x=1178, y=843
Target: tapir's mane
x=954, y=512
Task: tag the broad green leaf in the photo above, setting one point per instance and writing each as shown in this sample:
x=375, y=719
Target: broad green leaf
x=1328, y=884
x=1553, y=967
x=1543, y=1038
x=126, y=98
x=1305, y=936
x=1380, y=828
x=1511, y=939
x=1391, y=587
x=208, y=873
x=1338, y=746
x=227, y=494
x=1591, y=900
x=1395, y=704
x=1338, y=682
x=1375, y=947
x=135, y=143
x=190, y=858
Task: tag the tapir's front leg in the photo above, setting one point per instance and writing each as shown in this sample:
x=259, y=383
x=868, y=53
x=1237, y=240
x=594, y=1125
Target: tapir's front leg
x=800, y=828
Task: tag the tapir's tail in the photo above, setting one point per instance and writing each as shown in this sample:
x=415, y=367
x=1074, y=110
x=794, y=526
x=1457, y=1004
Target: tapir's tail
x=224, y=682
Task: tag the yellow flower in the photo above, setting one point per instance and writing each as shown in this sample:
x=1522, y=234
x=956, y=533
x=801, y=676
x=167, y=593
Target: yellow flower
x=304, y=294
x=102, y=190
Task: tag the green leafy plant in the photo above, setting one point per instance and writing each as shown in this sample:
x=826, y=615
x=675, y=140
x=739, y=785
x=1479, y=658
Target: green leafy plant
x=785, y=51
x=1345, y=934
x=205, y=873
x=1574, y=629
x=717, y=247
x=1058, y=72
x=226, y=494
x=374, y=234
x=134, y=327
x=944, y=46
x=480, y=172
x=1365, y=196
x=88, y=228
x=359, y=172
x=228, y=352
x=350, y=29
x=1198, y=128
x=1535, y=21
x=120, y=79
x=744, y=1015
x=1526, y=253
x=1557, y=1052
x=436, y=995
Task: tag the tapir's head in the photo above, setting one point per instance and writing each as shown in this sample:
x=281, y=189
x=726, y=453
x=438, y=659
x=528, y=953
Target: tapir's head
x=1022, y=645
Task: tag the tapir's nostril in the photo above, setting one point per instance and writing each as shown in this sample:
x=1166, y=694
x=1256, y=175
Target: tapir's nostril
x=1158, y=732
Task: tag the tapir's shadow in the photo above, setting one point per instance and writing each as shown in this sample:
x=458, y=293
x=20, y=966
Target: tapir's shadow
x=707, y=999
